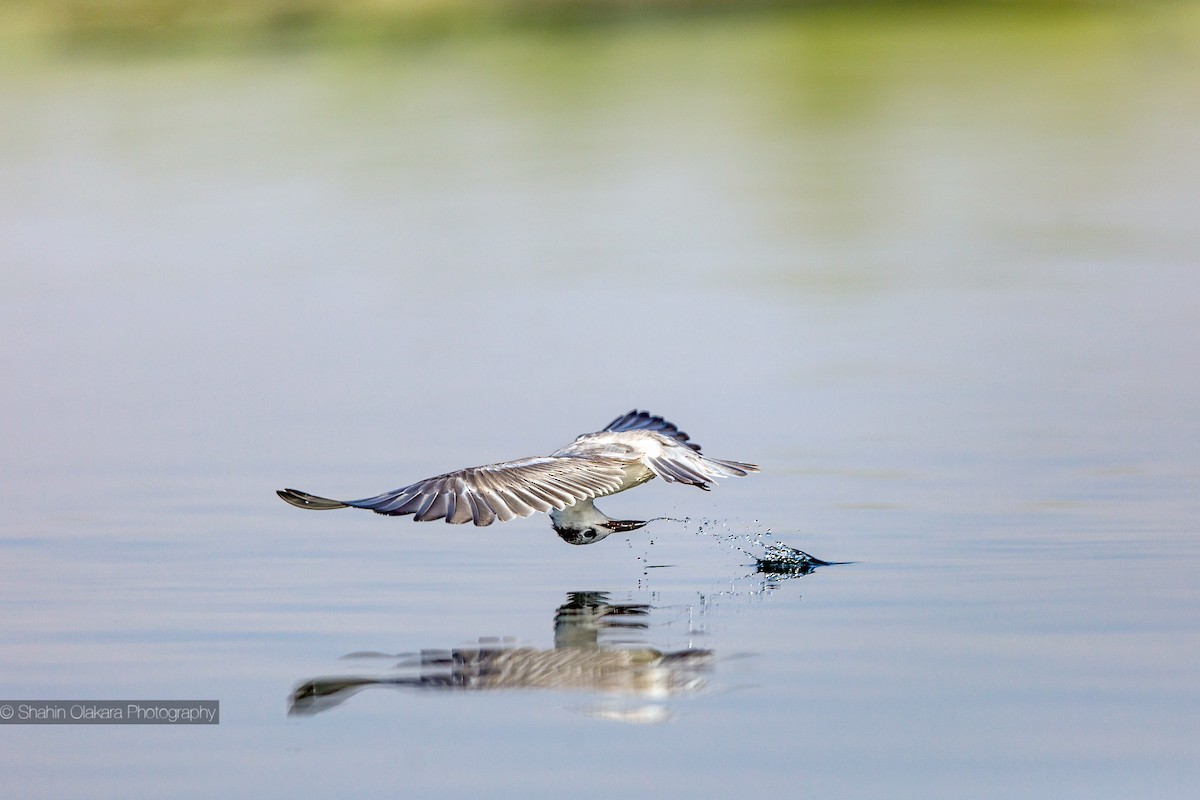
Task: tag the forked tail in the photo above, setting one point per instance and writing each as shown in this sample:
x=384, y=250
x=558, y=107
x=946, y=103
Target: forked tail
x=677, y=465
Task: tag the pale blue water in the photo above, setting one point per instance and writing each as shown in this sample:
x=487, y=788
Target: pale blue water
x=939, y=280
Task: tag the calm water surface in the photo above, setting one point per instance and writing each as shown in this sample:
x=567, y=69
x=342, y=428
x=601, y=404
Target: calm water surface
x=938, y=276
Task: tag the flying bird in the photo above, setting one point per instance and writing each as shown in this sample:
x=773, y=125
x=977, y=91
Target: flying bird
x=632, y=449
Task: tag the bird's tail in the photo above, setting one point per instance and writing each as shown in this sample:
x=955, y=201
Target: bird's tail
x=677, y=465
x=305, y=500
x=737, y=469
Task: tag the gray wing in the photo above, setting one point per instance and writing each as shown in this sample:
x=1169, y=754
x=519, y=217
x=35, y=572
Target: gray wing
x=643, y=420
x=485, y=494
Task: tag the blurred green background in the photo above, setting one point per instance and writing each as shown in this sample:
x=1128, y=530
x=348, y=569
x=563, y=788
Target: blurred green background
x=221, y=24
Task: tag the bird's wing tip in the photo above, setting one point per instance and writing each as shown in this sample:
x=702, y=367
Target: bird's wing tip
x=301, y=499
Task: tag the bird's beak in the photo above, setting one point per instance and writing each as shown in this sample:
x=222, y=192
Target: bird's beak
x=622, y=525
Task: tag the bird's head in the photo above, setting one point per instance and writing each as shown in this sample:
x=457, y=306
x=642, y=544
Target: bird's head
x=590, y=534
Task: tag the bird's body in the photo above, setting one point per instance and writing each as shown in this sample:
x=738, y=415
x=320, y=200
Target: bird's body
x=631, y=450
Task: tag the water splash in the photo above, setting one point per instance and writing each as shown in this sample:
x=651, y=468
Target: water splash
x=772, y=558
x=780, y=559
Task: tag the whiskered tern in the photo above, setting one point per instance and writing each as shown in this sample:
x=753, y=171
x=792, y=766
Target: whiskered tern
x=631, y=450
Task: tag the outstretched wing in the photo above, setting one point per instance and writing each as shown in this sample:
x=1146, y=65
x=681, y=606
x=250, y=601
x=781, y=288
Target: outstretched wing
x=485, y=494
x=645, y=421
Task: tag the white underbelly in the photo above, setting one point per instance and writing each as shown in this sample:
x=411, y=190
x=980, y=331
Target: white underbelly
x=636, y=473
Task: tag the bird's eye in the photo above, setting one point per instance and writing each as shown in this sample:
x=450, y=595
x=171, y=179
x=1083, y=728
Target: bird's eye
x=589, y=534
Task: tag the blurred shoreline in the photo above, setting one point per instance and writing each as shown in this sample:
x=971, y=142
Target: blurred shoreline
x=124, y=27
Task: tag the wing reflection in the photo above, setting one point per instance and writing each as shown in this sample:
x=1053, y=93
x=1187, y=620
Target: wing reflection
x=596, y=650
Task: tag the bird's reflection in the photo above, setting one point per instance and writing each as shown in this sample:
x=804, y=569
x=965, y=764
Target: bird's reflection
x=596, y=650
